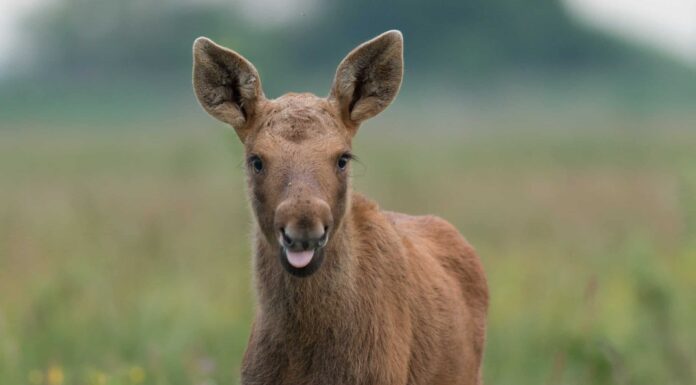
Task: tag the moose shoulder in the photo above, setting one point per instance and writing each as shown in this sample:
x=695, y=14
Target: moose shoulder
x=347, y=293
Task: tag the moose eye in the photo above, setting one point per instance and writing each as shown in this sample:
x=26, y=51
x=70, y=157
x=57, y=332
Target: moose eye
x=256, y=164
x=343, y=161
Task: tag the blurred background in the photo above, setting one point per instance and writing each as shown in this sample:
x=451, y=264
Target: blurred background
x=559, y=136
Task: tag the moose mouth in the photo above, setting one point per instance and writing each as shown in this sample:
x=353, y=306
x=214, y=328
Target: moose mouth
x=301, y=263
x=299, y=259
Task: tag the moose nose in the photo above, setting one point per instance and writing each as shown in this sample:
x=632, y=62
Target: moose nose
x=305, y=241
x=303, y=224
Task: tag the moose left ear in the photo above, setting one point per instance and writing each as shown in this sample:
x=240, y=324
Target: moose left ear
x=226, y=84
x=368, y=79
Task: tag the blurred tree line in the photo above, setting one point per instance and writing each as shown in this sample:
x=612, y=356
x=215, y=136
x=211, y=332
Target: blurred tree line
x=452, y=44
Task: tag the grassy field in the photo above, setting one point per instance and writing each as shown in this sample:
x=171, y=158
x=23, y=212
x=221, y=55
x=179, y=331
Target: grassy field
x=124, y=252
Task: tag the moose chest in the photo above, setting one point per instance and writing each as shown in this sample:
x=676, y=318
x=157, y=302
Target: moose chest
x=357, y=347
x=332, y=360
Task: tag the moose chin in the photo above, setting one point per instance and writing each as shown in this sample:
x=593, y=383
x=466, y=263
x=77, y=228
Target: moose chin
x=347, y=293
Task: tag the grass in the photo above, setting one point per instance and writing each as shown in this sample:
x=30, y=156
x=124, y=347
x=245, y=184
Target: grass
x=124, y=256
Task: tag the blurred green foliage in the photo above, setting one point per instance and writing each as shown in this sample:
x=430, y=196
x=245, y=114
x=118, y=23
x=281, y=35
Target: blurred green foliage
x=125, y=259
x=133, y=47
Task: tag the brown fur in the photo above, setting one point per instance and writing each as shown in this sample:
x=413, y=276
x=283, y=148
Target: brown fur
x=398, y=299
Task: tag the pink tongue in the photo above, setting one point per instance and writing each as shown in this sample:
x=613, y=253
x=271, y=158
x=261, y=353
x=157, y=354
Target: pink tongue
x=299, y=259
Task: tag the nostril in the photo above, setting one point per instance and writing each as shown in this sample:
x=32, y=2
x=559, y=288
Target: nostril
x=323, y=238
x=286, y=240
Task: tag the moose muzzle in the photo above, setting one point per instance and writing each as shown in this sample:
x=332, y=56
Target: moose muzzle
x=303, y=226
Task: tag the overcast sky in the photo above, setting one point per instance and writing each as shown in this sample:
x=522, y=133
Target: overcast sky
x=11, y=12
x=667, y=25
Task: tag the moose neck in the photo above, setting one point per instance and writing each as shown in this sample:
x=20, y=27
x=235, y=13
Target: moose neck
x=321, y=295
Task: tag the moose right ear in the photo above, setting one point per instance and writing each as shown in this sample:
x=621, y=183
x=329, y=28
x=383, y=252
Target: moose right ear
x=227, y=85
x=368, y=79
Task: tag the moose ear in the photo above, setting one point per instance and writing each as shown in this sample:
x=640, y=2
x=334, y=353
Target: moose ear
x=368, y=79
x=226, y=84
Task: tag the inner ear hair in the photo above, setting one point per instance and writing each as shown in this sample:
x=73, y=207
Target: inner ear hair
x=227, y=85
x=369, y=78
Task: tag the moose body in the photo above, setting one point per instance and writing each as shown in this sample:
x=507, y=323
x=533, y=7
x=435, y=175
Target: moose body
x=347, y=293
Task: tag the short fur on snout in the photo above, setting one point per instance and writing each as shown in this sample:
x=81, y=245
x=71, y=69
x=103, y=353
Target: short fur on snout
x=347, y=293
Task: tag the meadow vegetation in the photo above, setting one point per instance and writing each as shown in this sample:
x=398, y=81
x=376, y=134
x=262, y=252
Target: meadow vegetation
x=125, y=259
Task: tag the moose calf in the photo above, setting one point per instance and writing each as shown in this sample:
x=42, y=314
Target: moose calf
x=347, y=293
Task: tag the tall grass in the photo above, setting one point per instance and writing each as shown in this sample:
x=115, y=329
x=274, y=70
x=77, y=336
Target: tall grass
x=124, y=256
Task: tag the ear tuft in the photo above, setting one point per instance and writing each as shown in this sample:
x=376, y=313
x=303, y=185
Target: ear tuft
x=226, y=84
x=394, y=36
x=201, y=44
x=369, y=78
